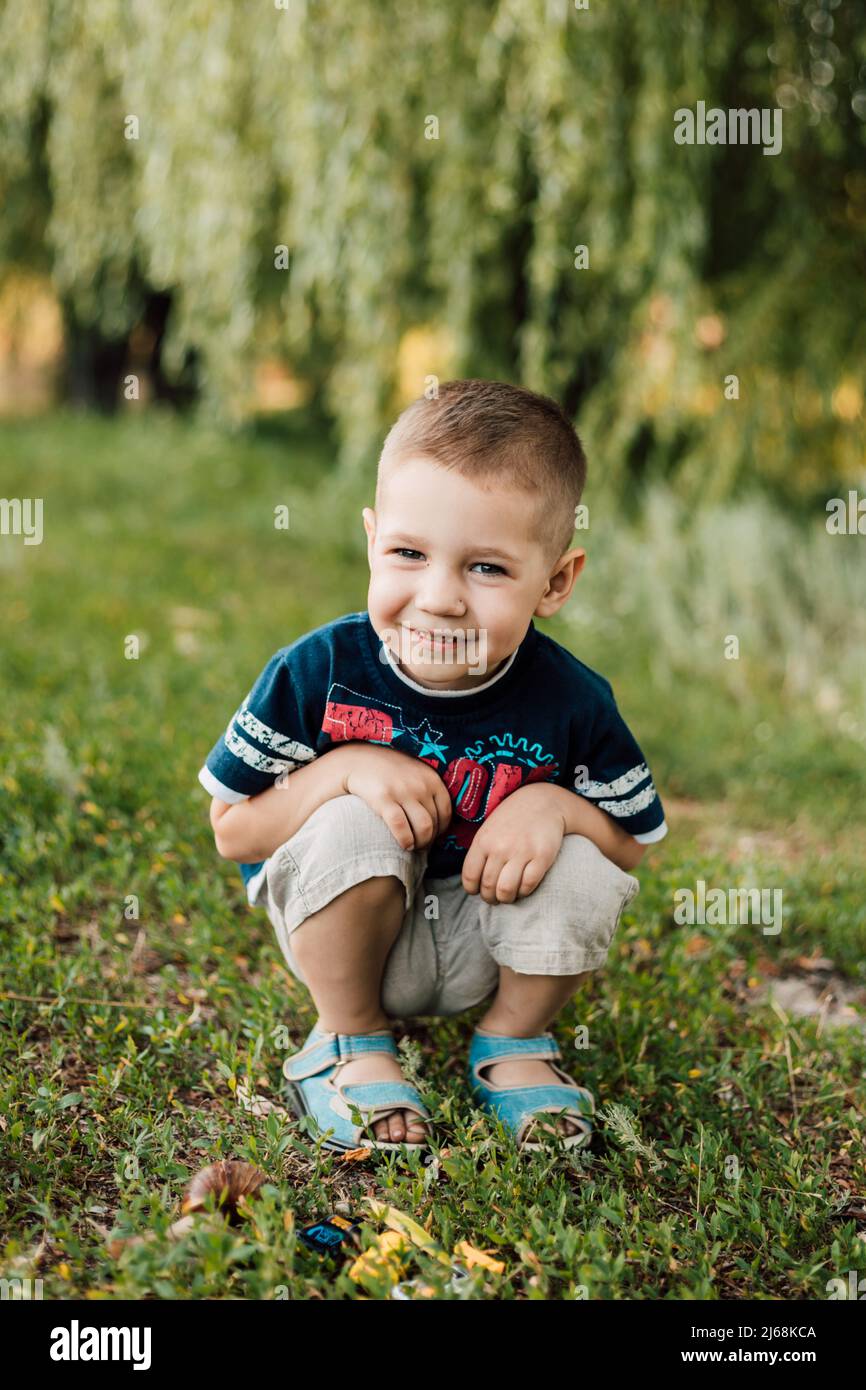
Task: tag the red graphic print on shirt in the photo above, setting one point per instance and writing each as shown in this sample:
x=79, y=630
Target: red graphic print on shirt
x=478, y=779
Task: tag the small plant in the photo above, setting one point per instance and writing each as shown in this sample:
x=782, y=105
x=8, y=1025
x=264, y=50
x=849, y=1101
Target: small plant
x=622, y=1123
x=411, y=1057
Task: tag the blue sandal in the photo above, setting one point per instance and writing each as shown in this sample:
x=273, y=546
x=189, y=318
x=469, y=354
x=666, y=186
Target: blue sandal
x=313, y=1089
x=519, y=1107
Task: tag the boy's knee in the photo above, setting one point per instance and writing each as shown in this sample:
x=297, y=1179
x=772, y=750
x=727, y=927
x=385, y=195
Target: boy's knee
x=343, y=851
x=567, y=924
x=365, y=905
x=373, y=893
x=346, y=810
x=377, y=891
x=581, y=864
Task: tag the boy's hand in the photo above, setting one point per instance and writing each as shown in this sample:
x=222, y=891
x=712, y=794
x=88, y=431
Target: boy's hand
x=408, y=795
x=515, y=846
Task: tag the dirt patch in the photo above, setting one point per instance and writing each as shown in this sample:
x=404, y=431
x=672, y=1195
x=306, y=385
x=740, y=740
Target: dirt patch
x=816, y=991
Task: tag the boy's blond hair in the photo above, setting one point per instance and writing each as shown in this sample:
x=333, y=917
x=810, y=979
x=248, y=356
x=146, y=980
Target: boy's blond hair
x=491, y=430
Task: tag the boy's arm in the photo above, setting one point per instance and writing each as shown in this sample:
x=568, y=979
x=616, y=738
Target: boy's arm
x=249, y=831
x=582, y=818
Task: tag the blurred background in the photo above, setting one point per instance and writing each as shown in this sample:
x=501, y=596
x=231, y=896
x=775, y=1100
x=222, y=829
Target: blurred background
x=249, y=205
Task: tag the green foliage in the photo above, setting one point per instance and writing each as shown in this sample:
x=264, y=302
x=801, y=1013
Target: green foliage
x=306, y=126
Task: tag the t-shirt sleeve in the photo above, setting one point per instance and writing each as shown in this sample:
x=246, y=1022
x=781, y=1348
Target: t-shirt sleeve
x=614, y=775
x=270, y=735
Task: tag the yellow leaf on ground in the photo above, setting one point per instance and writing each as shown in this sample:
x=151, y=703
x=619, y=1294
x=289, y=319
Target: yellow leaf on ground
x=385, y=1257
x=399, y=1221
x=471, y=1256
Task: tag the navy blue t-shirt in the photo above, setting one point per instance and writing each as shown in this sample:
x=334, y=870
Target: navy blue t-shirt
x=544, y=716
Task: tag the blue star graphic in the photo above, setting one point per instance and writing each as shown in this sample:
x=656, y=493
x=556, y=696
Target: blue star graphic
x=429, y=738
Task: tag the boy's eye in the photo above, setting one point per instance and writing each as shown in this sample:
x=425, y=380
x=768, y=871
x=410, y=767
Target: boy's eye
x=406, y=553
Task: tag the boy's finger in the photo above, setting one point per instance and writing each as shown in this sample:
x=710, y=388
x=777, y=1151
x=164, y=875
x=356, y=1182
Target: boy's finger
x=435, y=809
x=422, y=821
x=473, y=867
x=397, y=822
x=490, y=877
x=509, y=879
x=443, y=804
x=533, y=873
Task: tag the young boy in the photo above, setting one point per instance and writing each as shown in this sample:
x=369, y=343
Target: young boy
x=435, y=802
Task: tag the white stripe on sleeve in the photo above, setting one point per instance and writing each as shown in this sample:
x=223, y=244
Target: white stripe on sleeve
x=263, y=733
x=620, y=809
x=619, y=786
x=260, y=762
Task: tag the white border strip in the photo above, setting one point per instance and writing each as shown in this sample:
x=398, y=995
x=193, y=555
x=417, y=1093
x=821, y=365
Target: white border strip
x=649, y=837
x=216, y=788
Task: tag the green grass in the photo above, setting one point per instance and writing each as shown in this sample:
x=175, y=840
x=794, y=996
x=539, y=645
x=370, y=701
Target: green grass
x=155, y=528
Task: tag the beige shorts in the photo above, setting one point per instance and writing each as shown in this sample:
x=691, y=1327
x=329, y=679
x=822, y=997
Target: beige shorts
x=447, y=955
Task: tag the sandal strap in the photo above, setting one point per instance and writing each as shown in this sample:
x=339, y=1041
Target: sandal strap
x=324, y=1050
x=518, y=1106
x=486, y=1049
x=576, y=1100
x=375, y=1099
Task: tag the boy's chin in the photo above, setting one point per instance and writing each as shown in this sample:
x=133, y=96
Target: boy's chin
x=443, y=676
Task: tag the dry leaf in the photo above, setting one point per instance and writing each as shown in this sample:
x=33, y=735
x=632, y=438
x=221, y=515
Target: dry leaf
x=696, y=944
x=471, y=1256
x=231, y=1182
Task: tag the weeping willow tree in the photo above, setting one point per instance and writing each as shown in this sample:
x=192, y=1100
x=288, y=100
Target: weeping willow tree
x=314, y=180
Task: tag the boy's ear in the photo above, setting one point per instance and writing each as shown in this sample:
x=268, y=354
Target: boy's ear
x=560, y=583
x=369, y=519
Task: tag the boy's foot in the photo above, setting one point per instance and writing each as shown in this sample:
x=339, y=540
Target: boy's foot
x=532, y=1072
x=402, y=1126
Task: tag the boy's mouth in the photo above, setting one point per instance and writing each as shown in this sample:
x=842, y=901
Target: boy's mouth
x=438, y=637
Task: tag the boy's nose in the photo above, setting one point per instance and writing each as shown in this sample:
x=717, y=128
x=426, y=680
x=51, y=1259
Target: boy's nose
x=440, y=603
x=439, y=595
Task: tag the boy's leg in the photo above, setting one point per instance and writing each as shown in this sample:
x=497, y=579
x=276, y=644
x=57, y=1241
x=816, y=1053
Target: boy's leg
x=545, y=944
x=342, y=951
x=524, y=1006
x=337, y=893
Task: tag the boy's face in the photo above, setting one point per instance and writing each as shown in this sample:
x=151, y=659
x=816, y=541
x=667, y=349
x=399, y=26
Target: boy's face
x=456, y=573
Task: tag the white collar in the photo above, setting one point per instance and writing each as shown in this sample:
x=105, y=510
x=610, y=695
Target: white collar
x=444, y=694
